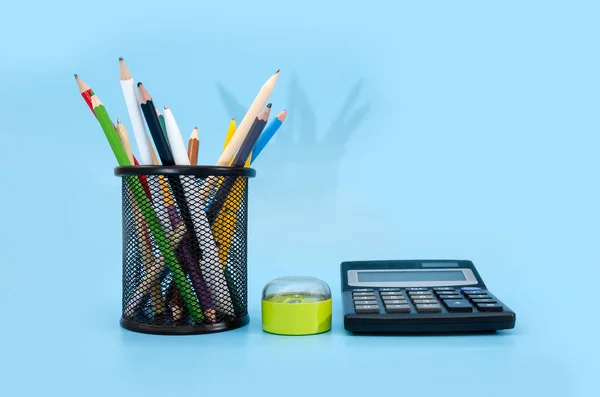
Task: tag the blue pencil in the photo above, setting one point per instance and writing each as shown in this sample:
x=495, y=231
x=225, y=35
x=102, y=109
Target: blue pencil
x=268, y=133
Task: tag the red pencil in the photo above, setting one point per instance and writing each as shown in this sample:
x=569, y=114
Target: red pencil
x=86, y=93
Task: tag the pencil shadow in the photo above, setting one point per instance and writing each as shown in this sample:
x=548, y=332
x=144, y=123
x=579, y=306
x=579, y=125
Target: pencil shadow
x=298, y=172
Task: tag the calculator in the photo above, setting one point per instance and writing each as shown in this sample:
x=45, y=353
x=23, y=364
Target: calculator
x=419, y=296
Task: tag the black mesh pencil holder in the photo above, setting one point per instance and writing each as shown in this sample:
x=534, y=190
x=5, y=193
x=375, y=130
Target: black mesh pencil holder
x=184, y=248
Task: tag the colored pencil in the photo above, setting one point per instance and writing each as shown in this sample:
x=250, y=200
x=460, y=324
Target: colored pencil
x=240, y=158
x=266, y=136
x=209, y=263
x=144, y=241
x=151, y=219
x=193, y=145
x=161, y=120
x=86, y=93
x=135, y=115
x=242, y=130
x=240, y=134
x=248, y=144
x=122, y=132
x=229, y=212
x=230, y=132
x=158, y=136
x=151, y=276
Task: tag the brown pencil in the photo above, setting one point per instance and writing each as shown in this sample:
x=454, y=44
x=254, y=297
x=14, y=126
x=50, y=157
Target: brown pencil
x=193, y=145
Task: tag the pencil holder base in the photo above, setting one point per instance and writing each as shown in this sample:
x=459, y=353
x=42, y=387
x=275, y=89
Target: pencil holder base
x=184, y=329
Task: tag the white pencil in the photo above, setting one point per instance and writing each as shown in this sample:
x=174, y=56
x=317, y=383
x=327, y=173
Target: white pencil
x=175, y=139
x=135, y=114
x=210, y=263
x=242, y=130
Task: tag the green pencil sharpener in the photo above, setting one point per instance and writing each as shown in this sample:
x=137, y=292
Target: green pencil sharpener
x=296, y=306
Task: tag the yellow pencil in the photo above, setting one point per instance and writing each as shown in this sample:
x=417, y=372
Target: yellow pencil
x=230, y=132
x=224, y=225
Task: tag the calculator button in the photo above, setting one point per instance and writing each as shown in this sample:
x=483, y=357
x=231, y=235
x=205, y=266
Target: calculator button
x=420, y=301
x=480, y=292
x=413, y=297
x=362, y=290
x=446, y=292
x=398, y=309
x=365, y=303
x=429, y=308
x=413, y=293
x=395, y=302
x=486, y=300
x=478, y=296
x=444, y=289
x=470, y=288
x=390, y=293
x=458, y=305
x=364, y=298
x=392, y=297
x=489, y=307
x=416, y=289
x=363, y=294
x=451, y=296
x=389, y=289
x=365, y=309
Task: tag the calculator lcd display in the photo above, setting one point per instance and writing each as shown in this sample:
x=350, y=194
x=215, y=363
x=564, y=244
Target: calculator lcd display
x=416, y=275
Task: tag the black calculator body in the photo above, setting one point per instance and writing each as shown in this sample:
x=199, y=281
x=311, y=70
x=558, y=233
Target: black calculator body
x=419, y=296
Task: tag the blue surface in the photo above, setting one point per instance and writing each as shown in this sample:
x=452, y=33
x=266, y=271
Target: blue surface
x=438, y=129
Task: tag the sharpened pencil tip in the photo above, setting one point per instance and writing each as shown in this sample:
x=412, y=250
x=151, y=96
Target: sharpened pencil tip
x=120, y=58
x=139, y=84
x=118, y=121
x=276, y=71
x=166, y=107
x=269, y=105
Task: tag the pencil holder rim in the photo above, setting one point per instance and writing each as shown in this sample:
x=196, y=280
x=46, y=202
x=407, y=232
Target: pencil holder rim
x=195, y=170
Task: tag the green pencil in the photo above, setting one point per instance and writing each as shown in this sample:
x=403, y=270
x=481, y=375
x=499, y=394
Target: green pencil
x=136, y=187
x=161, y=120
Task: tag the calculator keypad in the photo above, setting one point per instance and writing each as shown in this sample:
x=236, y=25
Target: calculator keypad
x=424, y=300
x=365, y=302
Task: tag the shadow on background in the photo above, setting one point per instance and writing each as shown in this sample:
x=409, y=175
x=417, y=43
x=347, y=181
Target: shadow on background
x=298, y=172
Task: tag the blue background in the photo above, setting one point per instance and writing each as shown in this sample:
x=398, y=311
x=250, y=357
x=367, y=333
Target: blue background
x=437, y=129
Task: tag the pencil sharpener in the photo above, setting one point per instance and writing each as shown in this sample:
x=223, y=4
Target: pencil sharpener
x=296, y=305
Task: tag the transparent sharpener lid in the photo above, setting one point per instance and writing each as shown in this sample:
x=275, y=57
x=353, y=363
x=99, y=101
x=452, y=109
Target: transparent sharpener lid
x=296, y=289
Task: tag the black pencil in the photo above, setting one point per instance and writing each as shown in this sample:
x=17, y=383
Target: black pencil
x=166, y=157
x=238, y=161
